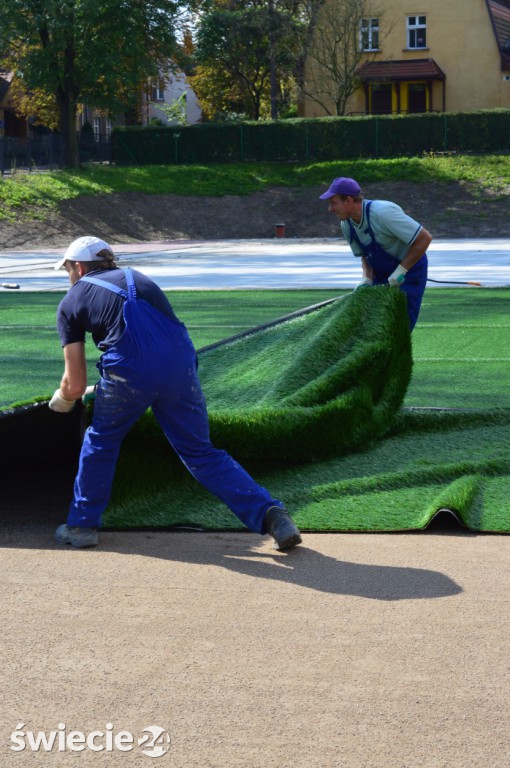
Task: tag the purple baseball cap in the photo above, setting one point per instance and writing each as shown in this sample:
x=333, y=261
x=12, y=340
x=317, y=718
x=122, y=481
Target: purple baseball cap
x=342, y=186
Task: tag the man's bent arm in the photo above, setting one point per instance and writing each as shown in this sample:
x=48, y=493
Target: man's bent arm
x=417, y=249
x=74, y=380
x=367, y=270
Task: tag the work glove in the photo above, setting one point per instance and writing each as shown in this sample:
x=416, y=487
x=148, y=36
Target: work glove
x=59, y=404
x=366, y=281
x=398, y=276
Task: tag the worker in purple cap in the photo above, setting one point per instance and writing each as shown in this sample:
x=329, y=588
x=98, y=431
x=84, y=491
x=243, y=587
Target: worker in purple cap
x=392, y=246
x=147, y=361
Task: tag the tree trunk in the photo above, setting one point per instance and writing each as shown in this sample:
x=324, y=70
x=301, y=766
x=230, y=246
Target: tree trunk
x=299, y=69
x=272, y=63
x=67, y=95
x=67, y=124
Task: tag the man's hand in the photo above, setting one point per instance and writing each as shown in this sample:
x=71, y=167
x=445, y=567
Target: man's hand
x=398, y=276
x=364, y=282
x=59, y=404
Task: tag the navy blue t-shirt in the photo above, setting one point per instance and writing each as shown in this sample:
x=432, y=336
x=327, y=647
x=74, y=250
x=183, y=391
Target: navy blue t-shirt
x=96, y=310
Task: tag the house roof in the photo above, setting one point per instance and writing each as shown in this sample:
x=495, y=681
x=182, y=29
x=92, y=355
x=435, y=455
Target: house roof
x=499, y=12
x=409, y=69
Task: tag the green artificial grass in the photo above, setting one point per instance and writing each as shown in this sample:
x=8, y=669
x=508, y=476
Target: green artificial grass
x=433, y=461
x=428, y=460
x=461, y=349
x=461, y=344
x=31, y=361
x=314, y=386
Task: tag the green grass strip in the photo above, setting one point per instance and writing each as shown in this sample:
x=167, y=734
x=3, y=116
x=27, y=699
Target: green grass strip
x=34, y=195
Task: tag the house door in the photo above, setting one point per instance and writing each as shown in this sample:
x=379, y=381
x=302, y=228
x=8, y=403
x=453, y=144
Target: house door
x=417, y=97
x=382, y=99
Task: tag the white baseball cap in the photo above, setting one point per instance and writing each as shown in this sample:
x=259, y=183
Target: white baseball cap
x=84, y=249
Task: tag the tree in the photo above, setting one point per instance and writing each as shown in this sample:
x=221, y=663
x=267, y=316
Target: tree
x=300, y=18
x=40, y=105
x=337, y=49
x=176, y=110
x=217, y=94
x=308, y=12
x=86, y=51
x=253, y=46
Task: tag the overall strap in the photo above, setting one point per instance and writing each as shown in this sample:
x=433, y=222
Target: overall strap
x=130, y=280
x=105, y=284
x=352, y=232
x=130, y=295
x=369, y=230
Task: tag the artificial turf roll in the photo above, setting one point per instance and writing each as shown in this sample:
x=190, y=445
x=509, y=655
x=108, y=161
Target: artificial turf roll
x=311, y=387
x=32, y=436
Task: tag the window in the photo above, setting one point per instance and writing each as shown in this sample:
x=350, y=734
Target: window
x=157, y=91
x=370, y=34
x=97, y=127
x=416, y=31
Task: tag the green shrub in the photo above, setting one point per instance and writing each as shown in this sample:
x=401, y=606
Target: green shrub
x=319, y=139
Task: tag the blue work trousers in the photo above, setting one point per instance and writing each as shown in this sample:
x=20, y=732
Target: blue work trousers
x=154, y=365
x=413, y=286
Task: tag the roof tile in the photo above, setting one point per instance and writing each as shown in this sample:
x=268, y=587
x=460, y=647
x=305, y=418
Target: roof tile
x=409, y=69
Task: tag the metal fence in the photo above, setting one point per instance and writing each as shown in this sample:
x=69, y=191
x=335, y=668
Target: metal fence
x=46, y=152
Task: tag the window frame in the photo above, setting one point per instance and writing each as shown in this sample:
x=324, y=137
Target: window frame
x=369, y=28
x=157, y=90
x=413, y=29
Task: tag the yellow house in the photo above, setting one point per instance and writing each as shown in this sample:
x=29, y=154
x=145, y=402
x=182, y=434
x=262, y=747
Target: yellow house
x=436, y=55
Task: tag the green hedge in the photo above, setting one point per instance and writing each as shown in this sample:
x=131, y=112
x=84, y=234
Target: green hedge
x=318, y=139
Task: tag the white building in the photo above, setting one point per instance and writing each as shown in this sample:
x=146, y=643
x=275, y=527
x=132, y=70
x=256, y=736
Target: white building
x=166, y=92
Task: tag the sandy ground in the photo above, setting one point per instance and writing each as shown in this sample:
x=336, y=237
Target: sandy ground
x=355, y=651
x=365, y=651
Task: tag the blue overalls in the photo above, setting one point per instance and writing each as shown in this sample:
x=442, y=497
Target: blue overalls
x=154, y=365
x=383, y=264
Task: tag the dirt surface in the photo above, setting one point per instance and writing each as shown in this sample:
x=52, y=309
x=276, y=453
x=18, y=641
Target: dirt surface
x=353, y=651
x=446, y=210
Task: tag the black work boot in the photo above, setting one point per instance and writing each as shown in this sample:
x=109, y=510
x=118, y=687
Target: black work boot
x=279, y=524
